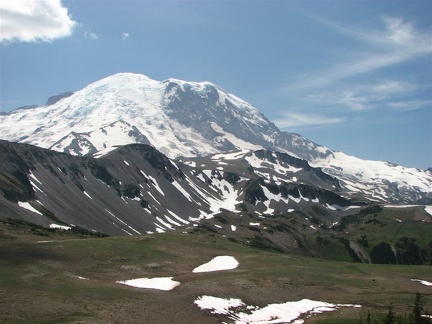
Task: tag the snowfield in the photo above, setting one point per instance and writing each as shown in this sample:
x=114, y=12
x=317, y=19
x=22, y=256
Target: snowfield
x=66, y=228
x=218, y=263
x=288, y=312
x=27, y=206
x=130, y=108
x=423, y=282
x=162, y=283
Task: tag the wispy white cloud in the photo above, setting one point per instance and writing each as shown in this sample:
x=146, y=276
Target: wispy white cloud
x=397, y=43
x=391, y=87
x=400, y=32
x=364, y=96
x=341, y=88
x=34, y=21
x=409, y=104
x=125, y=35
x=301, y=120
x=90, y=35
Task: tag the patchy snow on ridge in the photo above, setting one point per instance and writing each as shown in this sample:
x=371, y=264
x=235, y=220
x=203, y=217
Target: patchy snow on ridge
x=372, y=176
x=218, y=263
x=238, y=143
x=428, y=208
x=66, y=228
x=287, y=312
x=235, y=155
x=27, y=206
x=161, y=283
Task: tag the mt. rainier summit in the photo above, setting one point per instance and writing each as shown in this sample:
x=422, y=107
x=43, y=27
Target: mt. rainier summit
x=190, y=119
x=179, y=118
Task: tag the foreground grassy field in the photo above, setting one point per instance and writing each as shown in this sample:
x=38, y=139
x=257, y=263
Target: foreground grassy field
x=66, y=278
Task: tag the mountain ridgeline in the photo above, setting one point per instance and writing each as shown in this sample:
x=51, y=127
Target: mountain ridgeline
x=129, y=155
x=262, y=198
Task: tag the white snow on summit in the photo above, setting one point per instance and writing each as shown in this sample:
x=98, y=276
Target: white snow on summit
x=191, y=119
x=105, y=112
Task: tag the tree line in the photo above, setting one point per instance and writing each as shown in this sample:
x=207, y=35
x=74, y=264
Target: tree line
x=416, y=315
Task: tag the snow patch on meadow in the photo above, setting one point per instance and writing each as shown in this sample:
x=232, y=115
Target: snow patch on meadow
x=423, y=282
x=240, y=313
x=218, y=263
x=161, y=283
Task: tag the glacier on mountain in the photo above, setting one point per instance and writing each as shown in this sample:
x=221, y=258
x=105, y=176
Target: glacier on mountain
x=190, y=119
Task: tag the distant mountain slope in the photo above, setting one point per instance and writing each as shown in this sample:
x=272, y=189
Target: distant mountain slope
x=136, y=189
x=262, y=198
x=190, y=119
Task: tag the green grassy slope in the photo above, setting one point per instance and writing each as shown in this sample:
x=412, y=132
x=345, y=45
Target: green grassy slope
x=40, y=282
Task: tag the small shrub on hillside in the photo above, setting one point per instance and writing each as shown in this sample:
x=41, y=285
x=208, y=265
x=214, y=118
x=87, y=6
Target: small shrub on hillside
x=363, y=240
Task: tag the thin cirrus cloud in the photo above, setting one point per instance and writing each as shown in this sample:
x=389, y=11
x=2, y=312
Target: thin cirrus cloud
x=299, y=119
x=399, y=42
x=34, y=21
x=340, y=87
x=368, y=96
x=409, y=104
x=90, y=35
x=125, y=35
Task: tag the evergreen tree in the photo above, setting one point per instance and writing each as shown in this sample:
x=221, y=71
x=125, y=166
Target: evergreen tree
x=368, y=318
x=416, y=313
x=391, y=316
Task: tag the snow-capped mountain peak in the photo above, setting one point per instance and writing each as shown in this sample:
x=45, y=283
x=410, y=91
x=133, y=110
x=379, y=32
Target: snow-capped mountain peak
x=162, y=113
x=191, y=119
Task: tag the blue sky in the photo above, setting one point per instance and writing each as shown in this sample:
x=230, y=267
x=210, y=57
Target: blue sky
x=355, y=76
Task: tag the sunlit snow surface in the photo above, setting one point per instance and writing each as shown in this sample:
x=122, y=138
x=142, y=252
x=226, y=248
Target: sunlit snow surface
x=218, y=263
x=27, y=206
x=56, y=226
x=105, y=114
x=288, y=312
x=162, y=283
x=423, y=282
x=128, y=108
x=371, y=176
